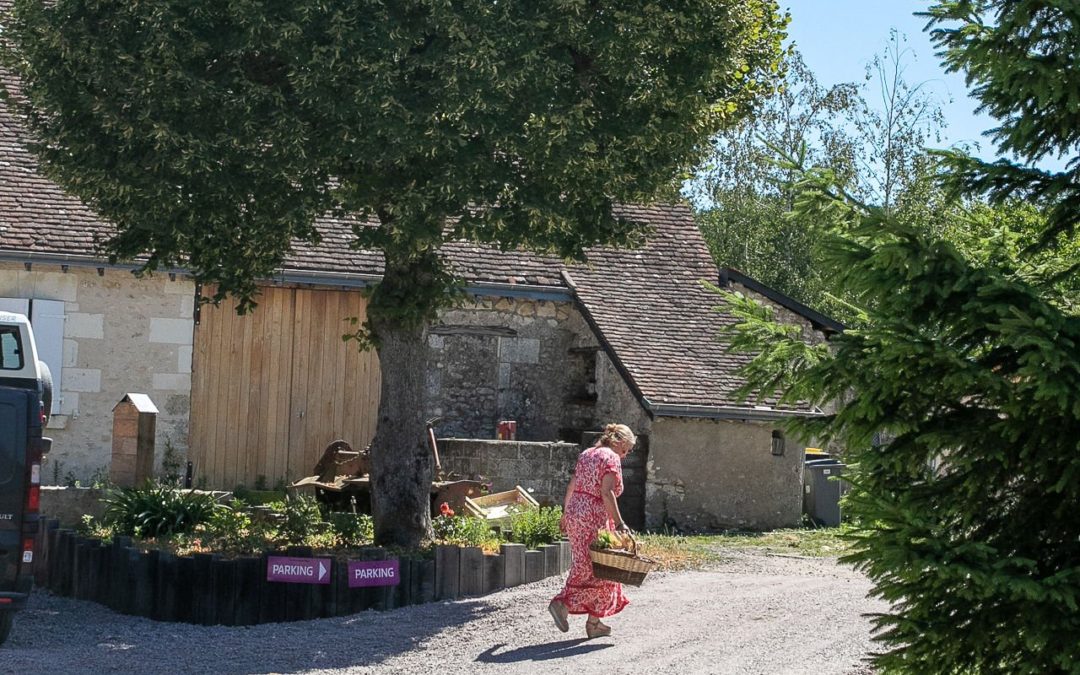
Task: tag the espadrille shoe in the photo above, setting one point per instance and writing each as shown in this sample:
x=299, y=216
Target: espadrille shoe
x=559, y=612
x=595, y=629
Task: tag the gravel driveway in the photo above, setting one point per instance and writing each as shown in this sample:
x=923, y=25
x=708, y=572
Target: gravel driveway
x=752, y=613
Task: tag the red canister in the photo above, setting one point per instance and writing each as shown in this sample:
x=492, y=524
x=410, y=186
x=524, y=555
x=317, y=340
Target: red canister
x=507, y=430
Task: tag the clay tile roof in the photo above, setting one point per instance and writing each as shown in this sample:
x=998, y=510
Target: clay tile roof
x=35, y=214
x=473, y=262
x=657, y=319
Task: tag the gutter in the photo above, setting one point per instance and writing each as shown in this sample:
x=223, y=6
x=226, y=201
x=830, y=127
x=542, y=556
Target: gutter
x=757, y=413
x=532, y=291
x=340, y=279
x=72, y=260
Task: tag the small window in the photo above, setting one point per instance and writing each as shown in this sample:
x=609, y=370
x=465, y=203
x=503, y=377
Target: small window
x=10, y=349
x=778, y=443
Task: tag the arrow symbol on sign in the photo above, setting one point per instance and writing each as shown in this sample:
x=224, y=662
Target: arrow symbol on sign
x=322, y=570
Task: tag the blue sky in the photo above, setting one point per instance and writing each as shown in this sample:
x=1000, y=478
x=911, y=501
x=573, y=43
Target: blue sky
x=838, y=38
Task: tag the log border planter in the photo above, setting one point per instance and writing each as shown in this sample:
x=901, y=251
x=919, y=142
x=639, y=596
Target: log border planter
x=208, y=589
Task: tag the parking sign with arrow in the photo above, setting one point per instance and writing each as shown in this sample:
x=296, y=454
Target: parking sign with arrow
x=298, y=570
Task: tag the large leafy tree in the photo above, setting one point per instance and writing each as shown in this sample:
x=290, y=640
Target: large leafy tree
x=214, y=135
x=872, y=136
x=744, y=197
x=960, y=386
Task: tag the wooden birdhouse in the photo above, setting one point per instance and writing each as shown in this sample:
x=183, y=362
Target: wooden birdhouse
x=134, y=423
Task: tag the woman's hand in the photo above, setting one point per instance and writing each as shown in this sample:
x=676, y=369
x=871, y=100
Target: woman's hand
x=563, y=524
x=622, y=528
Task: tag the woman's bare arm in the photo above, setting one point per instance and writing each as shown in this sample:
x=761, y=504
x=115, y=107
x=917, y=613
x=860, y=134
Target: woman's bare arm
x=569, y=491
x=607, y=492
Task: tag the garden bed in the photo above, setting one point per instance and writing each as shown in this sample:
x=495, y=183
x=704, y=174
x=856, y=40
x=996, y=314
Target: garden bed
x=211, y=589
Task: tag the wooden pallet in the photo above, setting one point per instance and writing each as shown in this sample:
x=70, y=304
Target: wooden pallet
x=497, y=508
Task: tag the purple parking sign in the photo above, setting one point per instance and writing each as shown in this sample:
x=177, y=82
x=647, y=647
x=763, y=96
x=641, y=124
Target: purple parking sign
x=374, y=573
x=298, y=570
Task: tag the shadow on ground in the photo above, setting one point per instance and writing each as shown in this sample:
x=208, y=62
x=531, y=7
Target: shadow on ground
x=545, y=652
x=95, y=639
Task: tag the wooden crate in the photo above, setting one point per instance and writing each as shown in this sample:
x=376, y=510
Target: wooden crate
x=498, y=507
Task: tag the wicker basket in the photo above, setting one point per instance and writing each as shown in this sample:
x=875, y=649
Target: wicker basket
x=625, y=567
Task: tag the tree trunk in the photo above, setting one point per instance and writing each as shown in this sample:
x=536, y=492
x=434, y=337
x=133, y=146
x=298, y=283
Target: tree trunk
x=401, y=461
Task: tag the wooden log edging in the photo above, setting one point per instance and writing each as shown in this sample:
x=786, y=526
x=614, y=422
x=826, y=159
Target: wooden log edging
x=209, y=589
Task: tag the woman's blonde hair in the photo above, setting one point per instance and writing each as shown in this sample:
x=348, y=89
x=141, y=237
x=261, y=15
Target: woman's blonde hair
x=616, y=432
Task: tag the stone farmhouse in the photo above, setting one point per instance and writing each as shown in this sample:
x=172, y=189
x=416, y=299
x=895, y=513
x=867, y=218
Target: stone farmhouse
x=630, y=336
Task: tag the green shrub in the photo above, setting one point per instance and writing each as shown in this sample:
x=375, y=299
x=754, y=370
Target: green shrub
x=352, y=529
x=301, y=518
x=256, y=497
x=232, y=529
x=536, y=527
x=230, y=521
x=464, y=531
x=171, y=464
x=157, y=511
x=93, y=528
x=241, y=492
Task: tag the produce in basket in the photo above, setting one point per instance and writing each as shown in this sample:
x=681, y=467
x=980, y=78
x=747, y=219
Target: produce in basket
x=606, y=539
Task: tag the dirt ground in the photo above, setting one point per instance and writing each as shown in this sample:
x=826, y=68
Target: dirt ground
x=751, y=613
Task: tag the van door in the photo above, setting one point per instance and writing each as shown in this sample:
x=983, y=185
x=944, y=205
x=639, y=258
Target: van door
x=14, y=439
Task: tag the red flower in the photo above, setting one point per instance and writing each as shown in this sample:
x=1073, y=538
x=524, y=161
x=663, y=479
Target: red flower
x=445, y=509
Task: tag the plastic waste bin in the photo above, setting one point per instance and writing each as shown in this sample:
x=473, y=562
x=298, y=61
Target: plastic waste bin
x=822, y=489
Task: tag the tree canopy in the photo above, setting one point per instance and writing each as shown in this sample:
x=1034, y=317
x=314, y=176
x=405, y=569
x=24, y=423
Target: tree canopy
x=215, y=134
x=1020, y=60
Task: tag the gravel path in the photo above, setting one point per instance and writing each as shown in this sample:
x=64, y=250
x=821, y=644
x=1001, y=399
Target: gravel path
x=753, y=613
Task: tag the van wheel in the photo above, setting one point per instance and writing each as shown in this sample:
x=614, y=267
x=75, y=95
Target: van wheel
x=5, y=625
x=46, y=389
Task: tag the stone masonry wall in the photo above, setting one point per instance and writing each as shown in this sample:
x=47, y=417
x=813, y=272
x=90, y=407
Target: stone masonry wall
x=615, y=402
x=121, y=334
x=713, y=475
x=511, y=359
x=544, y=469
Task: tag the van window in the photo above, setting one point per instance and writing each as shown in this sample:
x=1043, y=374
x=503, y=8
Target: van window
x=10, y=349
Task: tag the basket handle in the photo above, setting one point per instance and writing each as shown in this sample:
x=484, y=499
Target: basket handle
x=633, y=542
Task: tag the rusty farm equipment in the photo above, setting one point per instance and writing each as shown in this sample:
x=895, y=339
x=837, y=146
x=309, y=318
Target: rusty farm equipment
x=341, y=479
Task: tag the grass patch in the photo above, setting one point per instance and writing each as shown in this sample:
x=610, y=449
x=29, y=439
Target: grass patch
x=677, y=552
x=816, y=543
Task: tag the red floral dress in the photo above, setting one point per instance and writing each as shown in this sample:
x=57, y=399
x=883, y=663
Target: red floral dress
x=585, y=514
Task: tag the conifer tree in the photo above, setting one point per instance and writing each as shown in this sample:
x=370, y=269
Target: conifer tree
x=959, y=388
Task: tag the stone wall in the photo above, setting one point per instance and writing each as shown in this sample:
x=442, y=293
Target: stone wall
x=69, y=504
x=615, y=402
x=544, y=469
x=516, y=359
x=714, y=475
x=783, y=314
x=121, y=334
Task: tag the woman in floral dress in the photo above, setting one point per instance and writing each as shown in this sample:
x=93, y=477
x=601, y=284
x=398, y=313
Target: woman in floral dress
x=590, y=505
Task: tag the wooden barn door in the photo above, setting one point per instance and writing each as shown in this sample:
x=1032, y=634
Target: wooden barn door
x=271, y=389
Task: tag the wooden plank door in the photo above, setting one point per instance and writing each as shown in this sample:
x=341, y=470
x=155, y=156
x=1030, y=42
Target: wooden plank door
x=334, y=384
x=272, y=388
